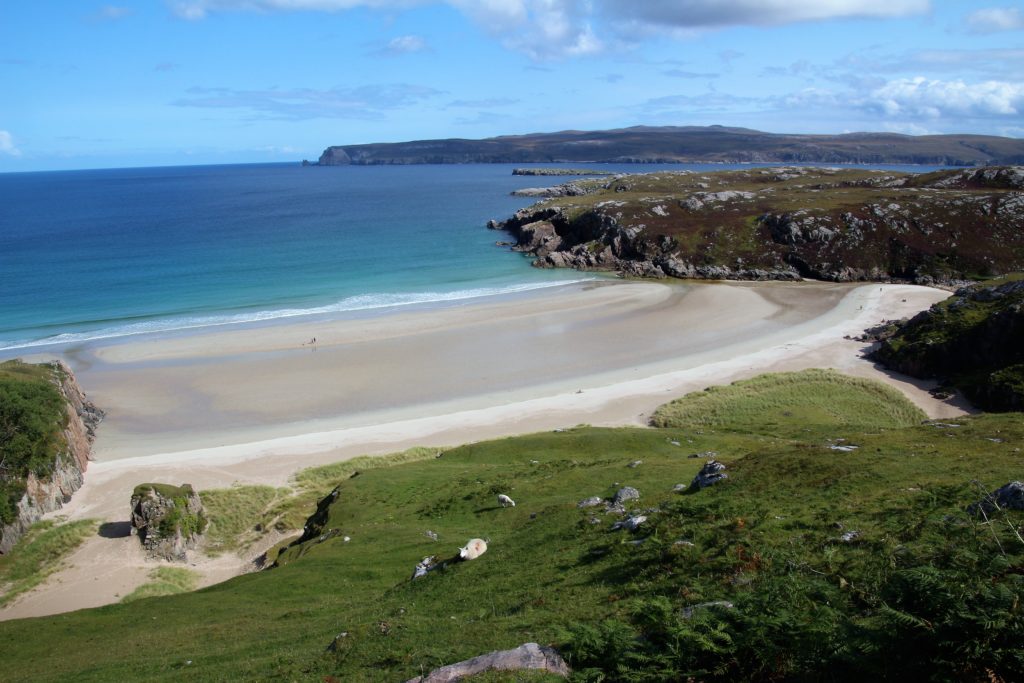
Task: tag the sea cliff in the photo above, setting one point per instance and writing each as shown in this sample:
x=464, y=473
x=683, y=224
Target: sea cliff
x=688, y=144
x=50, y=484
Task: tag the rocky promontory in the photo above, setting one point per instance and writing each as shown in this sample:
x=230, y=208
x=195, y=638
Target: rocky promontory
x=48, y=427
x=687, y=144
x=783, y=223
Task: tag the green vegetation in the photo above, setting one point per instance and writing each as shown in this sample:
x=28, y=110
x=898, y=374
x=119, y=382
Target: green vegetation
x=788, y=222
x=792, y=404
x=918, y=589
x=973, y=341
x=242, y=515
x=32, y=415
x=179, y=517
x=165, y=581
x=39, y=554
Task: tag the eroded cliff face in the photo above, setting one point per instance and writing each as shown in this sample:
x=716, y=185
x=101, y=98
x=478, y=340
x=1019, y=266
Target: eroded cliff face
x=47, y=494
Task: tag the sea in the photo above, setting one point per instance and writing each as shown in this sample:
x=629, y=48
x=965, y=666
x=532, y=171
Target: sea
x=101, y=254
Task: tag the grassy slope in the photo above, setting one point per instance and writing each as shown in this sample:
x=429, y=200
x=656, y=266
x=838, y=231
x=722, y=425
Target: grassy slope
x=40, y=553
x=766, y=540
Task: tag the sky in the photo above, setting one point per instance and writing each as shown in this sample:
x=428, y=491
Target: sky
x=166, y=82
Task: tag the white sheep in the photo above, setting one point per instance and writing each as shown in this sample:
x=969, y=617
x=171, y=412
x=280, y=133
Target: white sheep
x=505, y=501
x=473, y=549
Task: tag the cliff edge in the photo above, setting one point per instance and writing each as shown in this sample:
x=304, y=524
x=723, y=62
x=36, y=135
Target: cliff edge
x=48, y=425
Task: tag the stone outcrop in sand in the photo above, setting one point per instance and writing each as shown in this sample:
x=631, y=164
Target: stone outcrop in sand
x=169, y=520
x=529, y=656
x=49, y=493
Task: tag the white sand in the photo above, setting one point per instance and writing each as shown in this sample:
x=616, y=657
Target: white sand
x=253, y=405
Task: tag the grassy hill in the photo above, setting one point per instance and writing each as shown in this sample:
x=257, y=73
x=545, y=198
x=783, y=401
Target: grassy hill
x=856, y=564
x=666, y=144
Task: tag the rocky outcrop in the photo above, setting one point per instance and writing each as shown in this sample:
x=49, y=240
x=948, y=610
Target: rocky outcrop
x=973, y=341
x=1007, y=497
x=169, y=520
x=710, y=474
x=526, y=657
x=45, y=494
x=786, y=223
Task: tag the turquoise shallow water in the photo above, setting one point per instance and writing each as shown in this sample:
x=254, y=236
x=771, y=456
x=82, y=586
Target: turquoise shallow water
x=99, y=254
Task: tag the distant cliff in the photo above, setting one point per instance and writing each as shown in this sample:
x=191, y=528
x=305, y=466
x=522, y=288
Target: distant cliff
x=670, y=144
x=48, y=427
x=783, y=223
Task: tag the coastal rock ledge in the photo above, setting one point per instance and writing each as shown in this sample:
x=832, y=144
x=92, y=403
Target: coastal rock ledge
x=49, y=492
x=783, y=223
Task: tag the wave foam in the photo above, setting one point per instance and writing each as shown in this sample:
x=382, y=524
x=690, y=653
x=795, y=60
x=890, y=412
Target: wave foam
x=361, y=302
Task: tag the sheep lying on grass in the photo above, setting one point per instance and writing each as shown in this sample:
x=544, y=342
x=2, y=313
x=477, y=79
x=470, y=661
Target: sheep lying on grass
x=505, y=501
x=473, y=549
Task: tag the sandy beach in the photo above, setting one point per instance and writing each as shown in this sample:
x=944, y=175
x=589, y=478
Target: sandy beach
x=254, y=404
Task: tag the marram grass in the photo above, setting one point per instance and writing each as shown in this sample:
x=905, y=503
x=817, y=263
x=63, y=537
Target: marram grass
x=39, y=554
x=792, y=404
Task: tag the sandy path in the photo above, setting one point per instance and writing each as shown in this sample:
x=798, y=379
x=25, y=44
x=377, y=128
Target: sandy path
x=603, y=355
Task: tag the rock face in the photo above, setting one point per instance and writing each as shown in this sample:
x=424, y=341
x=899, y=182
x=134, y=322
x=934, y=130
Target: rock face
x=529, y=656
x=43, y=495
x=1007, y=497
x=973, y=341
x=709, y=475
x=169, y=520
x=781, y=224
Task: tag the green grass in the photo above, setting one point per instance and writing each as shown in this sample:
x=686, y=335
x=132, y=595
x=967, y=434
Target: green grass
x=241, y=516
x=907, y=599
x=792, y=405
x=39, y=554
x=164, y=581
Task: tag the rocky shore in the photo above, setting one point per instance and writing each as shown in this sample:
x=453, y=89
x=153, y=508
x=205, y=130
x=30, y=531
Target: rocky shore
x=782, y=224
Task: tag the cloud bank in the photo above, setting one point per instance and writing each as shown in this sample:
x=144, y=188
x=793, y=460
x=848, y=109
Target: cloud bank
x=7, y=144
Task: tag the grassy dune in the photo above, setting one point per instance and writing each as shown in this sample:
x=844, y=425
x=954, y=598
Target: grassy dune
x=921, y=590
x=792, y=404
x=39, y=554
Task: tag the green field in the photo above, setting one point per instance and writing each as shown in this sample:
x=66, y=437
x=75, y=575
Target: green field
x=921, y=591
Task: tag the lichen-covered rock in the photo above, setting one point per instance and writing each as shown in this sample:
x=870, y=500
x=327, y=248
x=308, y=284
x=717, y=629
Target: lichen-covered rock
x=1007, y=497
x=712, y=473
x=529, y=656
x=624, y=494
x=169, y=520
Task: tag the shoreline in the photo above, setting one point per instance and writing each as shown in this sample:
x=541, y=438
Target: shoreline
x=746, y=329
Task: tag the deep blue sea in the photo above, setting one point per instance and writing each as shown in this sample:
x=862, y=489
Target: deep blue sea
x=104, y=253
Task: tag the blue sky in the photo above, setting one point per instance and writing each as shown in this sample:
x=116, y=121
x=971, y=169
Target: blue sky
x=88, y=84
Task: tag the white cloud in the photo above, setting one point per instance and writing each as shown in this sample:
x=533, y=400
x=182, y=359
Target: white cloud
x=112, y=13
x=405, y=45
x=552, y=29
x=543, y=29
x=198, y=9
x=932, y=99
x=7, y=144
x=995, y=19
x=714, y=13
x=297, y=104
